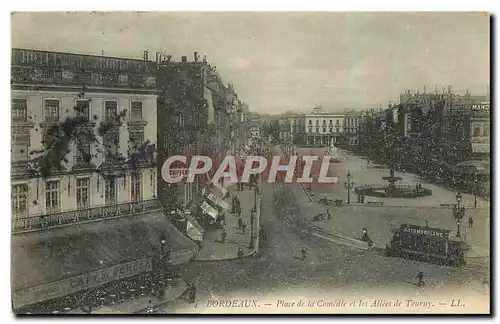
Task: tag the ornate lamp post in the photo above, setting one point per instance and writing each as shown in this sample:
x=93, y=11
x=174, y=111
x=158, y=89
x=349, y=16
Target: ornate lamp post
x=458, y=213
x=310, y=183
x=349, y=185
x=475, y=189
x=253, y=211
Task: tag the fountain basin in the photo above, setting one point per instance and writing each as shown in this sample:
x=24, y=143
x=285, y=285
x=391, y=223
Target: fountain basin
x=392, y=179
x=392, y=191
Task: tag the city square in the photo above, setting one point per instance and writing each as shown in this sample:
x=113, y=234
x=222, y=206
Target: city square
x=151, y=181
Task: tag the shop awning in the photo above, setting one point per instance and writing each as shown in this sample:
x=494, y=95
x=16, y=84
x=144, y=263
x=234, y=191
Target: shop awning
x=40, y=258
x=209, y=210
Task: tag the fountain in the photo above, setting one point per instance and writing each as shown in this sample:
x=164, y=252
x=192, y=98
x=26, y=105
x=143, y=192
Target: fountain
x=391, y=190
x=391, y=187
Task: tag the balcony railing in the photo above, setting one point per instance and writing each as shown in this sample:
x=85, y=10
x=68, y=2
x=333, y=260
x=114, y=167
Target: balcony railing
x=73, y=217
x=39, y=75
x=19, y=168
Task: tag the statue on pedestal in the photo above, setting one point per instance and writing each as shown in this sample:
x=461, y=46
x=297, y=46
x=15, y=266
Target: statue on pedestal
x=331, y=151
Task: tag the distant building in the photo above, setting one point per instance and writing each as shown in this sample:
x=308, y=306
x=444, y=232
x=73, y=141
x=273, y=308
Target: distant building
x=319, y=127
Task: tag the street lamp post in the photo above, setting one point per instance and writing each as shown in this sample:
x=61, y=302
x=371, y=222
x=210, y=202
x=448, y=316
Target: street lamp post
x=349, y=185
x=310, y=183
x=475, y=189
x=458, y=213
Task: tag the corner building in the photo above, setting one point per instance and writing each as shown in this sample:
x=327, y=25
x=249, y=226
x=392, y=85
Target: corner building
x=98, y=211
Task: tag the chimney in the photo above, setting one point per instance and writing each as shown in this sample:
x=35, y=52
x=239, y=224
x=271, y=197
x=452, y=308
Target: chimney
x=145, y=55
x=184, y=59
x=196, y=56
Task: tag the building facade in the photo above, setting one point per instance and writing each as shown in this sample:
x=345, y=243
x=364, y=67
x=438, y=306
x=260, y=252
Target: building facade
x=117, y=100
x=320, y=127
x=83, y=149
x=197, y=114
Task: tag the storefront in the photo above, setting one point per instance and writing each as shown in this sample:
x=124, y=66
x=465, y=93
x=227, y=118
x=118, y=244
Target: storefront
x=63, y=261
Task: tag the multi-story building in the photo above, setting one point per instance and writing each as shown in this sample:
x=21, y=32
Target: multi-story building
x=184, y=116
x=198, y=114
x=450, y=117
x=353, y=120
x=83, y=150
x=480, y=129
x=118, y=100
x=254, y=126
x=320, y=127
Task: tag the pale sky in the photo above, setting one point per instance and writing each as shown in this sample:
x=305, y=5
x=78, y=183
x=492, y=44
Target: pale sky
x=289, y=61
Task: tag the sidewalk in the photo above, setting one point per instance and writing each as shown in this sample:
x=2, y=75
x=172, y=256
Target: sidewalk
x=140, y=304
x=212, y=249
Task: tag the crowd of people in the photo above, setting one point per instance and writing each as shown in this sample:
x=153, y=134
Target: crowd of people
x=145, y=284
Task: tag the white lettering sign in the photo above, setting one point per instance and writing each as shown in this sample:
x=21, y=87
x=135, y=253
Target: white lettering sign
x=425, y=232
x=66, y=287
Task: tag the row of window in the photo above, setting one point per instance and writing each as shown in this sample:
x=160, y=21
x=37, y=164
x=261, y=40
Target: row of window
x=111, y=143
x=337, y=122
x=76, y=61
x=330, y=130
x=52, y=109
x=476, y=131
x=20, y=194
x=50, y=76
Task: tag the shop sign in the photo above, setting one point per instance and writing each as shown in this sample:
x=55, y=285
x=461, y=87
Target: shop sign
x=92, y=279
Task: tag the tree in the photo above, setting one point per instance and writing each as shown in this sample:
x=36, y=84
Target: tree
x=59, y=138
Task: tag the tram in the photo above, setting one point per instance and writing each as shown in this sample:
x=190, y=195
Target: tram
x=427, y=244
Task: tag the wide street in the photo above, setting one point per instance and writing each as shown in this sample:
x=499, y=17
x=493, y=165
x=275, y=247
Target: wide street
x=330, y=271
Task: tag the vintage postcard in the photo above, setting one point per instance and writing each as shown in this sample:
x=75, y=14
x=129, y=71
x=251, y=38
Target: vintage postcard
x=250, y=163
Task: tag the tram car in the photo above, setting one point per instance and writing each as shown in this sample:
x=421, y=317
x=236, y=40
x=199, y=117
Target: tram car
x=423, y=243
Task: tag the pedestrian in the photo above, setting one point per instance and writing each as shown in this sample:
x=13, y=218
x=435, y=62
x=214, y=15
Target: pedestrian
x=192, y=293
x=243, y=228
x=471, y=222
x=240, y=254
x=328, y=216
x=240, y=223
x=149, y=309
x=223, y=236
x=420, y=277
x=364, y=237
x=370, y=244
x=239, y=210
x=303, y=251
x=485, y=283
x=233, y=204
